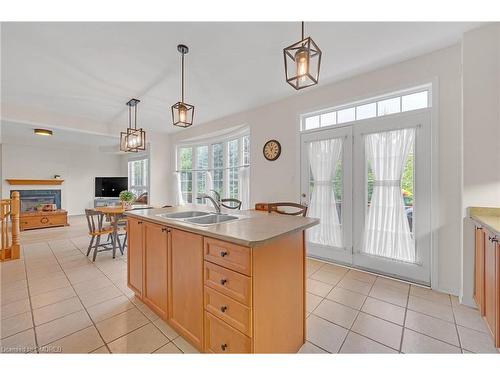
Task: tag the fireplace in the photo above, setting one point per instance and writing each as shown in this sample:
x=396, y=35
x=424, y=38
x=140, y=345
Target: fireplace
x=30, y=199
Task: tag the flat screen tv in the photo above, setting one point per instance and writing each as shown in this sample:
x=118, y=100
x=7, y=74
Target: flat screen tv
x=110, y=187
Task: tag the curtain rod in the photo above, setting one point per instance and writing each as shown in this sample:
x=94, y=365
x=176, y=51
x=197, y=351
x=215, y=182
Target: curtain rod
x=212, y=169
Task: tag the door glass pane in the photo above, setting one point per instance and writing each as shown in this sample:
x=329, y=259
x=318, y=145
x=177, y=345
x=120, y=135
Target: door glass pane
x=233, y=165
x=387, y=231
x=218, y=165
x=185, y=167
x=414, y=101
x=326, y=191
x=311, y=123
x=328, y=119
x=389, y=106
x=366, y=111
x=346, y=115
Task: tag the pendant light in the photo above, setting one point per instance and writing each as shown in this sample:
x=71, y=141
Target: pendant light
x=182, y=113
x=302, y=63
x=133, y=140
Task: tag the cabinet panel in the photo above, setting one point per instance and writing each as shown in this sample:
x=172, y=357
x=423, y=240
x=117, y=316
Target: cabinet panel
x=230, y=283
x=234, y=257
x=221, y=338
x=135, y=255
x=490, y=284
x=186, y=285
x=155, y=268
x=479, y=270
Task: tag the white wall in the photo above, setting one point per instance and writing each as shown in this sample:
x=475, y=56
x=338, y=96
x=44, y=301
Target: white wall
x=481, y=134
x=279, y=180
x=77, y=166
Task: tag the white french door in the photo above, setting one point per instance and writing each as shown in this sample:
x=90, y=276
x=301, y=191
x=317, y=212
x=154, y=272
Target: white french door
x=374, y=203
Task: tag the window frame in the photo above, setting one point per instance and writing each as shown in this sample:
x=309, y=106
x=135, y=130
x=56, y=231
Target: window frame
x=146, y=187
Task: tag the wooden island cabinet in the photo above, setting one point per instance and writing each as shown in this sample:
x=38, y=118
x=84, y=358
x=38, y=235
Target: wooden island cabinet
x=221, y=296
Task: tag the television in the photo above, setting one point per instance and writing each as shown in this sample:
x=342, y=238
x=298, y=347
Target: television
x=110, y=187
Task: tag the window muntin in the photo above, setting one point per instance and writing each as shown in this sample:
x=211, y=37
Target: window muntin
x=403, y=102
x=138, y=176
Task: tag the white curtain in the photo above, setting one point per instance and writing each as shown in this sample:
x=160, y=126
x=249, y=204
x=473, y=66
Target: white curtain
x=177, y=189
x=209, y=183
x=387, y=231
x=323, y=159
x=244, y=187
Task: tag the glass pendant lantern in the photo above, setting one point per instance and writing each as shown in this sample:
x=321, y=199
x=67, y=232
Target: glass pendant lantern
x=133, y=140
x=182, y=113
x=302, y=63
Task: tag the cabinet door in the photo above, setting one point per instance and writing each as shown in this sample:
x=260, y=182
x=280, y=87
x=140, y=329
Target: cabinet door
x=490, y=283
x=155, y=268
x=186, y=285
x=135, y=252
x=479, y=270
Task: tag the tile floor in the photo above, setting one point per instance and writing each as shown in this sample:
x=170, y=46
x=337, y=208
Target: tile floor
x=55, y=300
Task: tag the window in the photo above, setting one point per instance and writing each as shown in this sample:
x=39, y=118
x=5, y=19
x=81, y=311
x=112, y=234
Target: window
x=409, y=100
x=215, y=165
x=138, y=177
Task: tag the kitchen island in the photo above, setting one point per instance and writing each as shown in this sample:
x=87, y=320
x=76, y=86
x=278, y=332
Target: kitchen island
x=230, y=287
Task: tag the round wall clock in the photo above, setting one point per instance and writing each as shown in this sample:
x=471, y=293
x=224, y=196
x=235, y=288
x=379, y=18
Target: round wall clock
x=272, y=150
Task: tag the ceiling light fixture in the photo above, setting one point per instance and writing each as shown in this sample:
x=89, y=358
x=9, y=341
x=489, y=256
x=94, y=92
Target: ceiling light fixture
x=302, y=63
x=182, y=113
x=44, y=132
x=133, y=140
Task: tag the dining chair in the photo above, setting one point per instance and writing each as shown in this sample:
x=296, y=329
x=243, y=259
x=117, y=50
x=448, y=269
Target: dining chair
x=95, y=221
x=275, y=207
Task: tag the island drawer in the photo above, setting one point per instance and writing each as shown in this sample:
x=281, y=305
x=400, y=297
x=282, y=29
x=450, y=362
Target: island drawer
x=234, y=257
x=231, y=312
x=229, y=283
x=222, y=338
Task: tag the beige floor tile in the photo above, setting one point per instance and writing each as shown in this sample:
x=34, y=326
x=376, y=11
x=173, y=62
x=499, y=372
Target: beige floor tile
x=169, y=348
x=312, y=301
x=59, y=328
x=355, y=343
x=84, y=341
x=437, y=310
x=361, y=276
x=166, y=329
x=318, y=288
x=83, y=274
x=309, y=348
x=469, y=318
x=475, y=341
x=56, y=310
x=333, y=268
x=347, y=297
x=107, y=309
x=430, y=295
x=51, y=297
x=390, y=295
x=379, y=330
x=310, y=269
x=88, y=286
x=150, y=314
x=184, y=346
x=430, y=326
x=143, y=340
x=324, y=334
x=395, y=285
x=121, y=324
x=414, y=342
x=336, y=313
x=47, y=285
x=384, y=310
x=15, y=308
x=12, y=295
x=22, y=342
x=101, y=350
x=100, y=295
x=15, y=324
x=355, y=285
x=13, y=286
x=326, y=277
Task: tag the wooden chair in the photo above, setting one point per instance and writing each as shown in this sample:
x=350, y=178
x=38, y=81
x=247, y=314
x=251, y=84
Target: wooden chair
x=95, y=221
x=274, y=207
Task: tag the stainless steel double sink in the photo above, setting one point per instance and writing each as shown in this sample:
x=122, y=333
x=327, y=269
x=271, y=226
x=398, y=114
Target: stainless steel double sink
x=200, y=217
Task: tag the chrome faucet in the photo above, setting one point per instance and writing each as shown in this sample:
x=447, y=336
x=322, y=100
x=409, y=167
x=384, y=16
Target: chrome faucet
x=211, y=199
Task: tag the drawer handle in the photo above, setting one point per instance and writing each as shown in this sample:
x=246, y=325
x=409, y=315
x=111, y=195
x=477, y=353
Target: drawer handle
x=223, y=309
x=493, y=239
x=44, y=220
x=223, y=253
x=223, y=281
x=223, y=347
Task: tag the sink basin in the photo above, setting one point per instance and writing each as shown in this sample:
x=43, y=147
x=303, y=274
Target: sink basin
x=184, y=214
x=212, y=219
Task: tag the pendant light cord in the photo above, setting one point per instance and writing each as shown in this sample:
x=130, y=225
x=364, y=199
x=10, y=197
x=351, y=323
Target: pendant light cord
x=182, y=79
x=129, y=117
x=135, y=116
x=302, y=30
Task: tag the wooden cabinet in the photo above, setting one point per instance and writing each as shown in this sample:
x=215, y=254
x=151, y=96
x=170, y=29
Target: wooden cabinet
x=43, y=219
x=135, y=255
x=479, y=269
x=186, y=285
x=155, y=268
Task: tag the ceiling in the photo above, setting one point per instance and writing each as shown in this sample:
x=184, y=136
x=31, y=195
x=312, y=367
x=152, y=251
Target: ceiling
x=79, y=75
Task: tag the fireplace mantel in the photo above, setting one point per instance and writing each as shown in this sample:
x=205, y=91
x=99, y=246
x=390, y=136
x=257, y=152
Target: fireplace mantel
x=26, y=181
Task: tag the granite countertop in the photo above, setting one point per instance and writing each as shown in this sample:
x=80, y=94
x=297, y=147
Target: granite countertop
x=488, y=217
x=253, y=229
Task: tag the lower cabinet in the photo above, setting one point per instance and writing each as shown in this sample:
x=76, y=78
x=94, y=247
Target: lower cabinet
x=135, y=255
x=479, y=269
x=222, y=338
x=155, y=268
x=186, y=285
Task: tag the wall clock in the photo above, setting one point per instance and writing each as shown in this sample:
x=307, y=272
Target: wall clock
x=272, y=150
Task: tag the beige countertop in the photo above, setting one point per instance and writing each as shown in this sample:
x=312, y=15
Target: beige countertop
x=488, y=217
x=253, y=229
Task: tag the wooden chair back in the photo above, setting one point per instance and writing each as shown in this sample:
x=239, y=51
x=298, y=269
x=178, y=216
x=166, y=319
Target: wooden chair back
x=95, y=221
x=275, y=207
